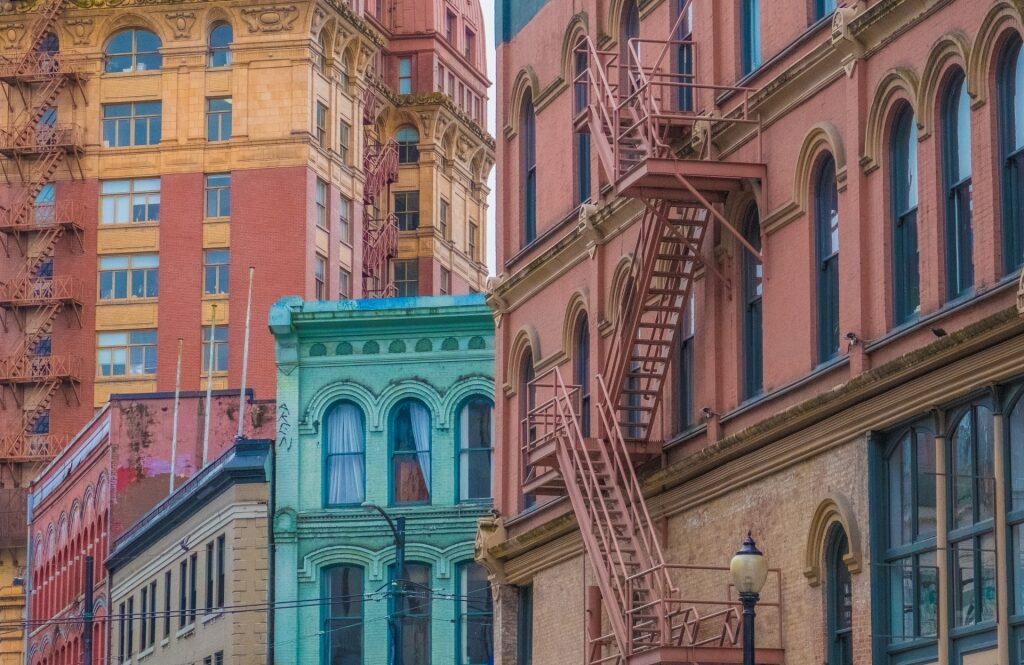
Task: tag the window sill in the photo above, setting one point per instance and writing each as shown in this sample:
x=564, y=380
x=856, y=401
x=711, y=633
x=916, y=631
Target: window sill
x=125, y=377
x=216, y=220
x=212, y=616
x=187, y=631
x=128, y=301
x=133, y=72
x=976, y=629
x=164, y=642
x=148, y=224
x=145, y=654
x=216, y=296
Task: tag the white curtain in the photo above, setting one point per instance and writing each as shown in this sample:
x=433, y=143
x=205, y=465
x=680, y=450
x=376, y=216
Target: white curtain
x=345, y=450
x=419, y=419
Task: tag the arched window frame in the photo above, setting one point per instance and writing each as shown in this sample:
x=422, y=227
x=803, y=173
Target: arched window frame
x=630, y=30
x=956, y=173
x=222, y=36
x=344, y=629
x=422, y=458
x=1010, y=82
x=903, y=193
x=408, y=139
x=333, y=497
x=473, y=605
x=752, y=275
x=838, y=599
x=134, y=59
x=826, y=235
x=468, y=452
x=528, y=168
x=581, y=368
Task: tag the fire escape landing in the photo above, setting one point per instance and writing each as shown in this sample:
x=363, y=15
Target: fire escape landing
x=380, y=230
x=654, y=146
x=33, y=146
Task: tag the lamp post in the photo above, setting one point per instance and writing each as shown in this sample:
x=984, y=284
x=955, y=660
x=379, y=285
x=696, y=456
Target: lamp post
x=749, y=572
x=398, y=531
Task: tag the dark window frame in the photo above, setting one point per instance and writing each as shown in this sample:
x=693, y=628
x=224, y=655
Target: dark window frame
x=959, y=237
x=528, y=168
x=1011, y=155
x=903, y=166
x=827, y=245
x=752, y=275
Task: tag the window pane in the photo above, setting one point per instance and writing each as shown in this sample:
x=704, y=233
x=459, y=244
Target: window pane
x=901, y=599
x=963, y=584
x=1017, y=542
x=344, y=586
x=926, y=485
x=928, y=594
x=411, y=454
x=1016, y=429
x=475, y=616
x=963, y=472
x=988, y=577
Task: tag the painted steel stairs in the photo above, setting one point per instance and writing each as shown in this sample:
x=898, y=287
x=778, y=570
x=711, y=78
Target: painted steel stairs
x=380, y=231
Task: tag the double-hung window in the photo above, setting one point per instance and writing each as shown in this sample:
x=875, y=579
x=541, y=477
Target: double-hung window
x=345, y=220
x=130, y=353
x=413, y=611
x=753, y=290
x=218, y=195
x=344, y=283
x=221, y=570
x=956, y=157
x=344, y=141
x=343, y=615
x=1011, y=114
x=320, y=277
x=443, y=212
x=476, y=448
x=407, y=210
x=134, y=201
x=218, y=119
x=1015, y=521
x=410, y=453
x=750, y=39
x=826, y=225
x=685, y=372
x=129, y=277
x=320, y=122
x=475, y=635
x=210, y=584
x=471, y=242
x=906, y=289
x=407, y=280
x=321, y=203
x=132, y=124
x=218, y=337
x=216, y=264
x=405, y=76
x=345, y=453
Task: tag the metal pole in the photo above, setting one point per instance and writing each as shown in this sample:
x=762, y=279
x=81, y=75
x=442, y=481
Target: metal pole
x=87, y=614
x=749, y=600
x=400, y=587
x=174, y=428
x=209, y=385
x=245, y=355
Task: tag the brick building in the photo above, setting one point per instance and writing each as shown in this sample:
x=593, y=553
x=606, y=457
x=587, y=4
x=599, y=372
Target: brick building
x=188, y=581
x=106, y=480
x=385, y=401
x=766, y=281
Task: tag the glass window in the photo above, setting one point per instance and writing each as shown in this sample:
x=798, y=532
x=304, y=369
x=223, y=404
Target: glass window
x=476, y=425
x=471, y=242
x=910, y=557
x=344, y=284
x=581, y=91
x=469, y=46
x=343, y=615
x=1016, y=432
x=407, y=277
x=321, y=203
x=144, y=619
x=826, y=223
x=218, y=119
x=629, y=46
x=528, y=167
x=413, y=610
x=210, y=583
x=218, y=195
x=956, y=157
x=344, y=141
x=216, y=273
x=582, y=167
x=839, y=599
x=407, y=210
x=524, y=626
x=823, y=8
x=475, y=616
x=449, y=27
x=182, y=594
x=684, y=55
x=320, y=129
x=685, y=368
x=131, y=627
x=751, y=38
x=442, y=216
x=345, y=219
x=221, y=573
x=221, y=37
x=410, y=453
x=581, y=370
x=321, y=51
x=345, y=447
x=126, y=353
x=133, y=50
x=1010, y=78
x=220, y=348
x=132, y=124
x=193, y=587
x=167, y=604
x=753, y=286
x=408, y=145
x=446, y=282
x=405, y=76
x=320, y=277
x=129, y=277
x=903, y=192
x=130, y=201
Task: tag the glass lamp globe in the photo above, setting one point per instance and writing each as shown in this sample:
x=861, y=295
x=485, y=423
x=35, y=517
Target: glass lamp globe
x=749, y=568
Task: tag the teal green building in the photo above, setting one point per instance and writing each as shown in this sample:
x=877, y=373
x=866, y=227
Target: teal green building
x=384, y=402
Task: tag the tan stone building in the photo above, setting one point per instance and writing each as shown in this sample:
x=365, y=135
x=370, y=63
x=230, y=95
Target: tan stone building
x=189, y=580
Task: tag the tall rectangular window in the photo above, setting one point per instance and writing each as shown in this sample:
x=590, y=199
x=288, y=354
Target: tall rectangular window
x=132, y=124
x=321, y=203
x=182, y=594
x=131, y=628
x=471, y=242
x=320, y=128
x=407, y=209
x=528, y=168
x=152, y=614
x=131, y=353
x=469, y=45
x=826, y=213
x=343, y=622
x=218, y=658
x=449, y=27
x=193, y=572
x=903, y=183
x=443, y=211
x=218, y=195
x=130, y=201
x=476, y=449
x=524, y=626
x=344, y=141
x=750, y=40
x=320, y=277
x=218, y=118
x=345, y=220
x=216, y=264
x=582, y=167
x=957, y=168
x=405, y=76
x=475, y=616
x=685, y=372
x=219, y=339
x=210, y=587
x=131, y=277
x=167, y=604
x=407, y=279
x=344, y=284
x=414, y=612
x=446, y=282
x=221, y=572
x=122, y=632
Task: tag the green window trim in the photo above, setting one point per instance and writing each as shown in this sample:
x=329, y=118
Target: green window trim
x=340, y=420
x=410, y=419
x=342, y=616
x=474, y=613
x=462, y=494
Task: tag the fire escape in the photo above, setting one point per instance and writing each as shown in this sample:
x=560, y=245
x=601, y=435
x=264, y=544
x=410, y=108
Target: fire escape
x=380, y=230
x=34, y=145
x=653, y=148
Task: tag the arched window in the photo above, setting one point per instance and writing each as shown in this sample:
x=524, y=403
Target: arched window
x=910, y=559
x=582, y=138
x=750, y=39
x=476, y=447
x=410, y=453
x=526, y=398
x=343, y=615
x=408, y=145
x=685, y=367
x=1010, y=79
x=823, y=8
x=971, y=531
x=629, y=50
x=684, y=54
x=581, y=369
x=133, y=50
x=753, y=273
x=320, y=51
x=956, y=167
x=903, y=183
x=838, y=599
x=826, y=231
x=475, y=616
x=1015, y=520
x=413, y=610
x=221, y=38
x=49, y=44
x=528, y=168
x=345, y=460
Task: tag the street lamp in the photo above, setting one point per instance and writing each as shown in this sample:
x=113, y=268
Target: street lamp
x=749, y=572
x=398, y=531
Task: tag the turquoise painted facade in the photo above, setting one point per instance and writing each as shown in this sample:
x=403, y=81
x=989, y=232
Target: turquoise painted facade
x=365, y=389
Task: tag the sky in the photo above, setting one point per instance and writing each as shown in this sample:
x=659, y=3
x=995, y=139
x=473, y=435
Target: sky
x=488, y=7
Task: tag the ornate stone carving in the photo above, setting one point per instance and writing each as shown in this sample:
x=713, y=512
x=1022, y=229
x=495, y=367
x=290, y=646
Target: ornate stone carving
x=843, y=38
x=271, y=18
x=81, y=30
x=10, y=34
x=319, y=18
x=181, y=23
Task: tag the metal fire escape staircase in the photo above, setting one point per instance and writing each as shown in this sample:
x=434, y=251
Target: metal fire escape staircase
x=380, y=230
x=653, y=148
x=34, y=147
